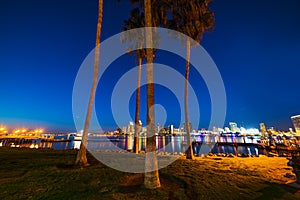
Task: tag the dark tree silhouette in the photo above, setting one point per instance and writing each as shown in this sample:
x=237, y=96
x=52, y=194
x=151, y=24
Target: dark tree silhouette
x=81, y=158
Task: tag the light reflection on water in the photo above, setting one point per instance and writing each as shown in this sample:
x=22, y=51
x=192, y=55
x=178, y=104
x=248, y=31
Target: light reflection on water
x=168, y=143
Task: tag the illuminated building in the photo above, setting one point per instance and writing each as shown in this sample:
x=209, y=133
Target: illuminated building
x=233, y=127
x=296, y=122
x=262, y=128
x=124, y=129
x=130, y=128
x=157, y=128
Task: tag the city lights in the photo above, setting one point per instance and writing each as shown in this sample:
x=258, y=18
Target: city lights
x=20, y=131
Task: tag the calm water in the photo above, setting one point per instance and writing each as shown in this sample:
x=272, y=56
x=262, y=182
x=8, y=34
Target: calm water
x=171, y=144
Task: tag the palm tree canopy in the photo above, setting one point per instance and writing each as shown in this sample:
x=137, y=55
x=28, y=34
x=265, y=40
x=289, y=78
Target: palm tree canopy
x=137, y=20
x=158, y=11
x=191, y=17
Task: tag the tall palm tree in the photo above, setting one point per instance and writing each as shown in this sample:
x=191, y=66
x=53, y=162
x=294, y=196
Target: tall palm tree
x=81, y=158
x=151, y=179
x=193, y=18
x=141, y=56
x=154, y=15
x=136, y=20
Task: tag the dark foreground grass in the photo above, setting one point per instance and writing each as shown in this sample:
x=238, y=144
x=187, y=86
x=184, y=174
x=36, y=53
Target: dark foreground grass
x=49, y=174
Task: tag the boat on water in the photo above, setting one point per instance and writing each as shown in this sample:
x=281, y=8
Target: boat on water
x=77, y=136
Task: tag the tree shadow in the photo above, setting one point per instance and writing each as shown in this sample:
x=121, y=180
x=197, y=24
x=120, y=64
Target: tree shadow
x=279, y=191
x=171, y=186
x=92, y=161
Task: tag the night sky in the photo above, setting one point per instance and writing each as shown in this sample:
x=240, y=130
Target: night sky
x=255, y=45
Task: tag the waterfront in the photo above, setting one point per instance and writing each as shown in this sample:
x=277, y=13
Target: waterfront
x=202, y=144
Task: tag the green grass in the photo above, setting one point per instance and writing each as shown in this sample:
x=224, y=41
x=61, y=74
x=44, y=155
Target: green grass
x=49, y=174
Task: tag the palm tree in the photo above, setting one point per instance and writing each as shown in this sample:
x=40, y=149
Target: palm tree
x=81, y=158
x=151, y=179
x=154, y=15
x=193, y=18
x=136, y=20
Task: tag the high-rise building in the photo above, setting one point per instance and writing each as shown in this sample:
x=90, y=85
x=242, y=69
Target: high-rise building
x=124, y=129
x=262, y=128
x=296, y=122
x=171, y=129
x=130, y=129
x=233, y=127
x=157, y=128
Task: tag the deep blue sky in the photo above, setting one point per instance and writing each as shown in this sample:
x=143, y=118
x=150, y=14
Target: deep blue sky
x=255, y=44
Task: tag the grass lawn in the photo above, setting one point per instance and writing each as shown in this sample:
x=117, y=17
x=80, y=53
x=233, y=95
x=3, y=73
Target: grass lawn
x=49, y=174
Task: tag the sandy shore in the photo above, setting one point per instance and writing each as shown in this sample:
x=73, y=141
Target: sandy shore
x=42, y=173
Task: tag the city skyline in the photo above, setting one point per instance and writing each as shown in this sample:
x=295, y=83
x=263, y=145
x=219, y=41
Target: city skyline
x=129, y=128
x=44, y=44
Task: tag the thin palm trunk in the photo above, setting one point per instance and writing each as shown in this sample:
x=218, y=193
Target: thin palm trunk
x=81, y=158
x=189, y=152
x=151, y=180
x=137, y=108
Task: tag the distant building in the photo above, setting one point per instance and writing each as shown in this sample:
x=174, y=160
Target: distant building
x=171, y=129
x=124, y=129
x=233, y=127
x=296, y=122
x=144, y=129
x=226, y=130
x=262, y=128
x=243, y=130
x=157, y=128
x=130, y=129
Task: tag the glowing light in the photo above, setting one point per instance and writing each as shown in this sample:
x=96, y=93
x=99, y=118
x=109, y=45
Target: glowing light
x=23, y=130
x=17, y=131
x=1, y=129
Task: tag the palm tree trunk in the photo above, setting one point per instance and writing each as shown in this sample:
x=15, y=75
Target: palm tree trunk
x=151, y=180
x=81, y=158
x=189, y=152
x=137, y=108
